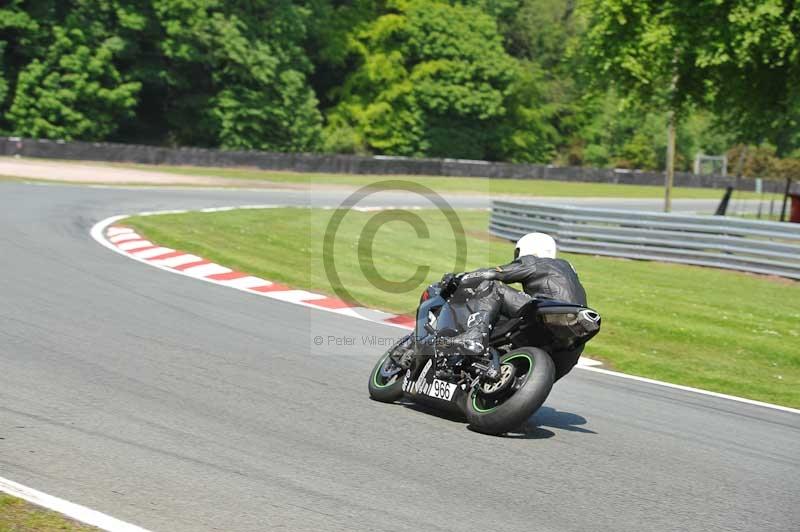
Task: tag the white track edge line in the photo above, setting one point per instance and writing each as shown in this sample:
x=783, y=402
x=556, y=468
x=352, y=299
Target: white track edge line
x=98, y=234
x=69, y=509
x=694, y=390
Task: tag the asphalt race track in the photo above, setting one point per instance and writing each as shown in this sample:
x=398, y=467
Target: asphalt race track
x=178, y=405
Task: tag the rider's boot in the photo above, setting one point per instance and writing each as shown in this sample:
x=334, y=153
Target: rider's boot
x=484, y=307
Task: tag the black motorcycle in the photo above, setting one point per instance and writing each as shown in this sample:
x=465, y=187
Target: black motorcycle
x=498, y=389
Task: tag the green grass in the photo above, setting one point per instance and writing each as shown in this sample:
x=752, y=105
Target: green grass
x=718, y=330
x=14, y=178
x=17, y=515
x=474, y=185
x=443, y=185
x=776, y=217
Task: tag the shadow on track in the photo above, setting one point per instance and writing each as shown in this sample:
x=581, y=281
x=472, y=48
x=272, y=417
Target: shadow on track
x=532, y=429
x=550, y=417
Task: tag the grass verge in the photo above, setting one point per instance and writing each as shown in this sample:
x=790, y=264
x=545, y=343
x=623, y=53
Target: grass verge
x=233, y=177
x=476, y=185
x=17, y=515
x=719, y=330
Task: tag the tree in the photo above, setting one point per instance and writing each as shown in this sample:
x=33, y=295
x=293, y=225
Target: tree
x=237, y=74
x=433, y=80
x=19, y=32
x=752, y=60
x=739, y=58
x=73, y=92
x=489, y=79
x=331, y=25
x=542, y=31
x=74, y=49
x=647, y=50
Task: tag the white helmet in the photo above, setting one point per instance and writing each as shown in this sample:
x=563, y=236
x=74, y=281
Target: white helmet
x=537, y=244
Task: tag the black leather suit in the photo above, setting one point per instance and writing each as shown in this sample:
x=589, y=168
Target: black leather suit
x=541, y=278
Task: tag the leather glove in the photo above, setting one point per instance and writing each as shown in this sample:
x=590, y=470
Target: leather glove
x=449, y=283
x=476, y=277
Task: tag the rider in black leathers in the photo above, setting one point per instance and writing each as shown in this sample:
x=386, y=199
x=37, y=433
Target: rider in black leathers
x=487, y=296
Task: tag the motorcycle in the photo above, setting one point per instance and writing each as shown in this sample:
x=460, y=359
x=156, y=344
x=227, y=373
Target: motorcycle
x=498, y=388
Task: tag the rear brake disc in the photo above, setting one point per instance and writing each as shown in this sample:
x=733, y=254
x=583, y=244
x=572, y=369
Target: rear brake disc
x=494, y=388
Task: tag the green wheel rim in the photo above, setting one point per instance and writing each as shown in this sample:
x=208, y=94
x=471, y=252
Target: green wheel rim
x=377, y=371
x=475, y=394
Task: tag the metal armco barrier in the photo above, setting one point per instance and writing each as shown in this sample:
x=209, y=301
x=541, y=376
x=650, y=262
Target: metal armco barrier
x=771, y=248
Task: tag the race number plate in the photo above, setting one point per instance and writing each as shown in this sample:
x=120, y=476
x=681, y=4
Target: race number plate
x=441, y=390
x=437, y=388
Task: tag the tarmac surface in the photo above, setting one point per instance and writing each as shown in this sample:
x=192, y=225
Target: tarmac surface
x=179, y=405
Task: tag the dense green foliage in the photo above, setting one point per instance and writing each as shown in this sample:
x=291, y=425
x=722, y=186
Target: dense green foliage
x=564, y=81
x=74, y=91
x=190, y=72
x=739, y=59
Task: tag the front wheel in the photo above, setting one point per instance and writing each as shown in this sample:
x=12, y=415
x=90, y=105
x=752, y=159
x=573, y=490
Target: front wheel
x=386, y=379
x=527, y=376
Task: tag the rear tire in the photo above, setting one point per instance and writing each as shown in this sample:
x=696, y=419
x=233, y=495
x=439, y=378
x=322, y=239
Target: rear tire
x=535, y=372
x=382, y=389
